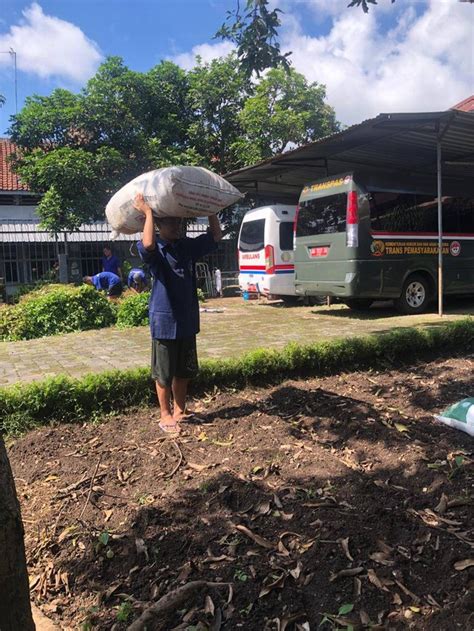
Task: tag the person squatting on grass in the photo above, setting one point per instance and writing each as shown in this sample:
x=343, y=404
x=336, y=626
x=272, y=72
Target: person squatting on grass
x=106, y=281
x=136, y=280
x=173, y=307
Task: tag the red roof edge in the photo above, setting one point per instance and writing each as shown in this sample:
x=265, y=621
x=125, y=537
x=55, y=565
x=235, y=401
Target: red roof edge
x=465, y=106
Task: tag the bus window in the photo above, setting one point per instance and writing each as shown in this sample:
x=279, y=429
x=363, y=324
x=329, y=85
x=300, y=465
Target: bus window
x=402, y=212
x=252, y=236
x=464, y=208
x=286, y=235
x=407, y=212
x=322, y=215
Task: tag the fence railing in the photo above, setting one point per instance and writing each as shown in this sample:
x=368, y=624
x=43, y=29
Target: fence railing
x=29, y=254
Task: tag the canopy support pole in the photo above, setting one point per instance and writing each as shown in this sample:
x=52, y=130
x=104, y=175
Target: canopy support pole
x=440, y=229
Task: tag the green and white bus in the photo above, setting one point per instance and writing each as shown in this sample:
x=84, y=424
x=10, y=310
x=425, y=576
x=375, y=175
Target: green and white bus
x=363, y=238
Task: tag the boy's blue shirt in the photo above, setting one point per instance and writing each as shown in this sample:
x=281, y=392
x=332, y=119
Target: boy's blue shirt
x=105, y=280
x=174, y=306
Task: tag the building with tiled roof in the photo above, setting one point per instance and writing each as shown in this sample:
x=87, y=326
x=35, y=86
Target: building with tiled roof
x=465, y=106
x=9, y=181
x=17, y=202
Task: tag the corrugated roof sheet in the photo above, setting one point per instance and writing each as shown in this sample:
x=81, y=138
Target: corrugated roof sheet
x=404, y=144
x=9, y=181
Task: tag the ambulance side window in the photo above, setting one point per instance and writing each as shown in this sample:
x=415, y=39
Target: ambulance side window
x=286, y=235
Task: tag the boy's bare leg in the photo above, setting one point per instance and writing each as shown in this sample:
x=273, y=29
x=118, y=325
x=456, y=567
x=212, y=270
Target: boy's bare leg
x=180, y=389
x=164, y=399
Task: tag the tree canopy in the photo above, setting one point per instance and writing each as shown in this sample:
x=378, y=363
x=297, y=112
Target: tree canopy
x=284, y=111
x=77, y=149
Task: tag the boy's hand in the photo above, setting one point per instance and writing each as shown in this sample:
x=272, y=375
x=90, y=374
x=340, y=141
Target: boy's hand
x=140, y=204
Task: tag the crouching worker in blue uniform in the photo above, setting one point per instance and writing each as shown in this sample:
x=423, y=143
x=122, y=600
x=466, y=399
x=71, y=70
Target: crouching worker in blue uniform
x=137, y=280
x=106, y=281
x=174, y=307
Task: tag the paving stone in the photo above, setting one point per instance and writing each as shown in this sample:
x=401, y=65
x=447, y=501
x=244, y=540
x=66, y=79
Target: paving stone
x=240, y=327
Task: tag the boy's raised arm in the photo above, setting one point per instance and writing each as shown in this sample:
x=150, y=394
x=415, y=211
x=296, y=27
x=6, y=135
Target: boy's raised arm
x=148, y=237
x=215, y=228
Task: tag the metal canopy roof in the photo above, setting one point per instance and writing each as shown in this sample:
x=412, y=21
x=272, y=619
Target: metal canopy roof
x=404, y=144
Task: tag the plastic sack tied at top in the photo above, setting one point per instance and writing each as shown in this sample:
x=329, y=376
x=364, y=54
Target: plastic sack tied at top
x=179, y=191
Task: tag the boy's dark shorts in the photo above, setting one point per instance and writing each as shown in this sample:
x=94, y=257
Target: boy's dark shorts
x=115, y=290
x=173, y=358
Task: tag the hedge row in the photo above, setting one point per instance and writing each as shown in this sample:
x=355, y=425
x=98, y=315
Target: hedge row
x=64, y=399
x=55, y=309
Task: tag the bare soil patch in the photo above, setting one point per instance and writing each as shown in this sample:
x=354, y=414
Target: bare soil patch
x=338, y=494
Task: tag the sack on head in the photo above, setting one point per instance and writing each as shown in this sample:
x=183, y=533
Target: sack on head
x=179, y=191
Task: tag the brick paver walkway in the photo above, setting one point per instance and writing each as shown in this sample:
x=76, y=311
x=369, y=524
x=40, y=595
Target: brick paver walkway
x=239, y=328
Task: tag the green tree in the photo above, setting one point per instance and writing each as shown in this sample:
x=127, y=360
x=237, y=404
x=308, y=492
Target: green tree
x=284, y=111
x=46, y=122
x=76, y=183
x=255, y=33
x=218, y=91
x=77, y=149
x=364, y=4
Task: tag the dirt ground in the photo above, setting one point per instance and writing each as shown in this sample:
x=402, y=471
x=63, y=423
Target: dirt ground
x=337, y=499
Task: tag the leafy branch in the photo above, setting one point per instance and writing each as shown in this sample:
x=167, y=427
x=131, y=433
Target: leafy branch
x=255, y=33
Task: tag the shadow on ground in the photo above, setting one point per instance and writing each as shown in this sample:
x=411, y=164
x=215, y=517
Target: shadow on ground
x=306, y=497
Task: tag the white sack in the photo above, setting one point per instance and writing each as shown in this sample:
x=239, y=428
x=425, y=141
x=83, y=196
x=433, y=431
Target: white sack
x=460, y=416
x=179, y=191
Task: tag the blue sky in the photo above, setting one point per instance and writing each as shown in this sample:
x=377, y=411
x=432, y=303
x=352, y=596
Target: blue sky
x=410, y=56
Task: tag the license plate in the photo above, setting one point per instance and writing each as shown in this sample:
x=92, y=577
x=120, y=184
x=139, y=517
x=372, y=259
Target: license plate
x=319, y=251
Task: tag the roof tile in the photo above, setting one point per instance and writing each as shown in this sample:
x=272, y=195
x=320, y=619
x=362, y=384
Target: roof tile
x=9, y=181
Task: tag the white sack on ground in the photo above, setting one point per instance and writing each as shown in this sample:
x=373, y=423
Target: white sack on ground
x=179, y=191
x=460, y=415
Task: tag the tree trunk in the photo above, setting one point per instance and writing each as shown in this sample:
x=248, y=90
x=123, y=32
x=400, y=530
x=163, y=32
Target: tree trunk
x=15, y=608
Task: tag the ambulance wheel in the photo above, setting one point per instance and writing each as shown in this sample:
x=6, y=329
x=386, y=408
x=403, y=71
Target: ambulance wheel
x=359, y=304
x=416, y=295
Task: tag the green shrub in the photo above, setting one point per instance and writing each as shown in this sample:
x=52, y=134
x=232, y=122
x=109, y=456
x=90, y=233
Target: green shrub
x=64, y=399
x=133, y=310
x=200, y=295
x=55, y=309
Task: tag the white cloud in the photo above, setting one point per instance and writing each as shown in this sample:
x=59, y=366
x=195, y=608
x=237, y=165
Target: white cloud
x=425, y=62
x=207, y=52
x=50, y=47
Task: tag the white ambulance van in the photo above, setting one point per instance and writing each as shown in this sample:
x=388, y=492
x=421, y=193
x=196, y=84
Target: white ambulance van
x=266, y=264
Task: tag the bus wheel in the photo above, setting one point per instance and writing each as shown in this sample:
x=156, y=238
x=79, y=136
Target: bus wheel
x=415, y=296
x=289, y=300
x=359, y=304
x=315, y=301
